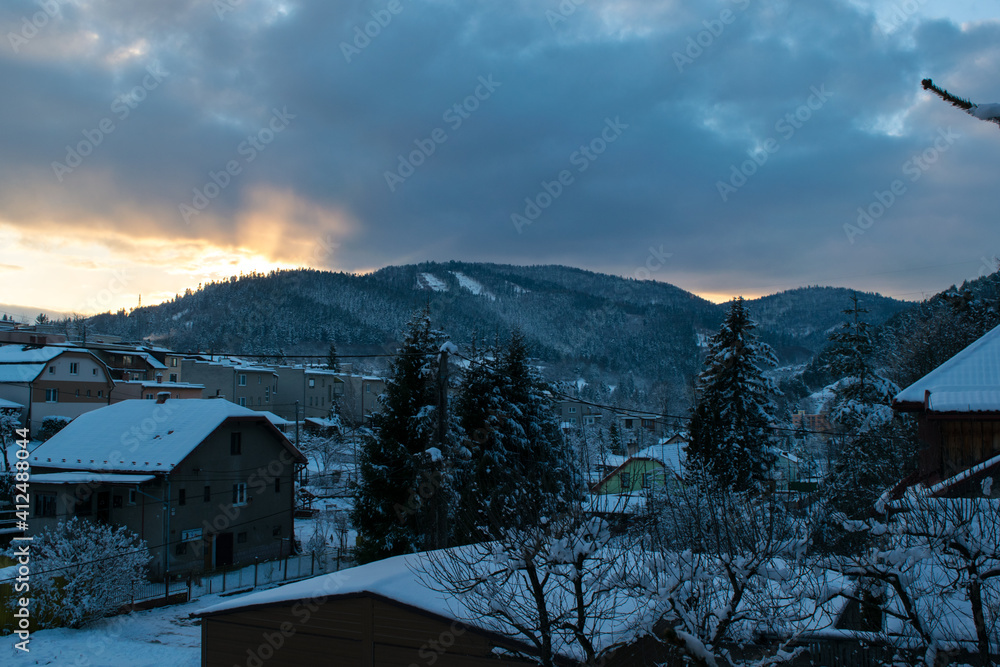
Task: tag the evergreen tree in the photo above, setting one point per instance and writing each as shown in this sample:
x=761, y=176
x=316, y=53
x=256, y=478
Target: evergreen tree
x=406, y=487
x=876, y=449
x=730, y=425
x=522, y=468
x=615, y=437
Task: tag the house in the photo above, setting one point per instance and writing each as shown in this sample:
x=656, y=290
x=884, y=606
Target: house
x=127, y=362
x=206, y=483
x=640, y=429
x=360, y=399
x=574, y=414
x=957, y=406
x=128, y=390
x=53, y=381
x=244, y=384
x=660, y=466
x=317, y=391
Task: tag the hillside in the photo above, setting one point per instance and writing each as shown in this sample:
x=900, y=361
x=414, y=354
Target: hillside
x=579, y=322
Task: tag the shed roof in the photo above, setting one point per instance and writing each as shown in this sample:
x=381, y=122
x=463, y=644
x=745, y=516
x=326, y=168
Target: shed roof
x=968, y=382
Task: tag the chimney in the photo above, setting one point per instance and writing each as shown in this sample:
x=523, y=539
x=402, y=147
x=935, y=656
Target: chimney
x=162, y=397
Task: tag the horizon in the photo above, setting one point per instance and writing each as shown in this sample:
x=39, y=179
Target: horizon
x=27, y=313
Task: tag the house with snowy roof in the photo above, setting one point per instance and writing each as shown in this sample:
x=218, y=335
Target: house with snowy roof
x=52, y=381
x=659, y=466
x=958, y=411
x=206, y=483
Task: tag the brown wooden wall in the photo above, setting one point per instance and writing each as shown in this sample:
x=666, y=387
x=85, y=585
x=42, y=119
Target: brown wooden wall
x=363, y=631
x=968, y=442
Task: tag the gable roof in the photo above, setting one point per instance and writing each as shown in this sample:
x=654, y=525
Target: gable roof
x=968, y=382
x=142, y=435
x=24, y=363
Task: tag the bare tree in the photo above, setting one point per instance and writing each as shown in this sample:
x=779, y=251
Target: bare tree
x=556, y=588
x=934, y=572
x=727, y=573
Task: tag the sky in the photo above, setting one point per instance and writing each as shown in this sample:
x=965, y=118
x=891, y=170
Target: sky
x=724, y=146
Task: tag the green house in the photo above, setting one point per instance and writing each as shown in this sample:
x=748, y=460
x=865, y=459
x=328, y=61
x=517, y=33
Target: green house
x=657, y=467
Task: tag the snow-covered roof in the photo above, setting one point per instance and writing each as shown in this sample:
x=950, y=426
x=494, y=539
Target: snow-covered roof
x=402, y=579
x=88, y=478
x=968, y=382
x=22, y=363
x=9, y=405
x=274, y=419
x=617, y=503
x=151, y=384
x=671, y=456
x=137, y=435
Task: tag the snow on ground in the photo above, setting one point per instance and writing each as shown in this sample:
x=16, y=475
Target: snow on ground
x=152, y=638
x=427, y=280
x=465, y=282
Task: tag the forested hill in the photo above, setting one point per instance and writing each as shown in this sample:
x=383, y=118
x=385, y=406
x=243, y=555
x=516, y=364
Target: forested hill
x=578, y=321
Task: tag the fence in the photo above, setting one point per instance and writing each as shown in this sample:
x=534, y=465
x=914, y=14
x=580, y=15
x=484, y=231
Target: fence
x=230, y=579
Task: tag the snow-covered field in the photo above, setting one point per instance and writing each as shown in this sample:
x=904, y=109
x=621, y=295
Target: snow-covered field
x=150, y=638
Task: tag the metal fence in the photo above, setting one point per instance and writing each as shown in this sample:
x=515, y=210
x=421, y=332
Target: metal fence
x=229, y=579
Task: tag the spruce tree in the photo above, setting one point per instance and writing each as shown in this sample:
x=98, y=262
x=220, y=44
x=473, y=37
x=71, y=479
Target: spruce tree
x=875, y=449
x=407, y=486
x=730, y=425
x=522, y=469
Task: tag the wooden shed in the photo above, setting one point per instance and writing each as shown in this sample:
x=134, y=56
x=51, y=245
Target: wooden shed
x=377, y=614
x=958, y=411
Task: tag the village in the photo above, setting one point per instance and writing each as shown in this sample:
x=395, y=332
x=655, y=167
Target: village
x=238, y=474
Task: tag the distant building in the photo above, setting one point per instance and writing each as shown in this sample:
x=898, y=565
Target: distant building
x=573, y=414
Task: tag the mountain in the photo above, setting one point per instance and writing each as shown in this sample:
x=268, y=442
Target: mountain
x=621, y=331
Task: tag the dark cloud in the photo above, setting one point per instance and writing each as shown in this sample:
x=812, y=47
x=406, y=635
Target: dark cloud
x=555, y=84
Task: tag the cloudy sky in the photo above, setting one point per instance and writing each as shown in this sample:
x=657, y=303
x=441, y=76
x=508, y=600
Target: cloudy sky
x=726, y=146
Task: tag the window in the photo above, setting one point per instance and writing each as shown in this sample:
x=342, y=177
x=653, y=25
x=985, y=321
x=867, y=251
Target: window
x=626, y=481
x=572, y=410
x=93, y=371
x=277, y=485
x=572, y=420
x=131, y=496
x=235, y=443
x=647, y=423
x=208, y=494
x=260, y=378
x=181, y=549
x=88, y=393
x=276, y=531
x=149, y=397
x=628, y=423
x=117, y=501
x=368, y=389
x=173, y=377
x=241, y=538
x=51, y=395
x=647, y=480
x=181, y=497
x=78, y=393
x=588, y=420
x=312, y=383
x=173, y=362
x=52, y=370
x=74, y=368
x=45, y=504
x=100, y=393
x=243, y=401
x=267, y=394
x=239, y=494
x=243, y=379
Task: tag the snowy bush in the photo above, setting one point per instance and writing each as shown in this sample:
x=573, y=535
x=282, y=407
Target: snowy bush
x=84, y=571
x=51, y=426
